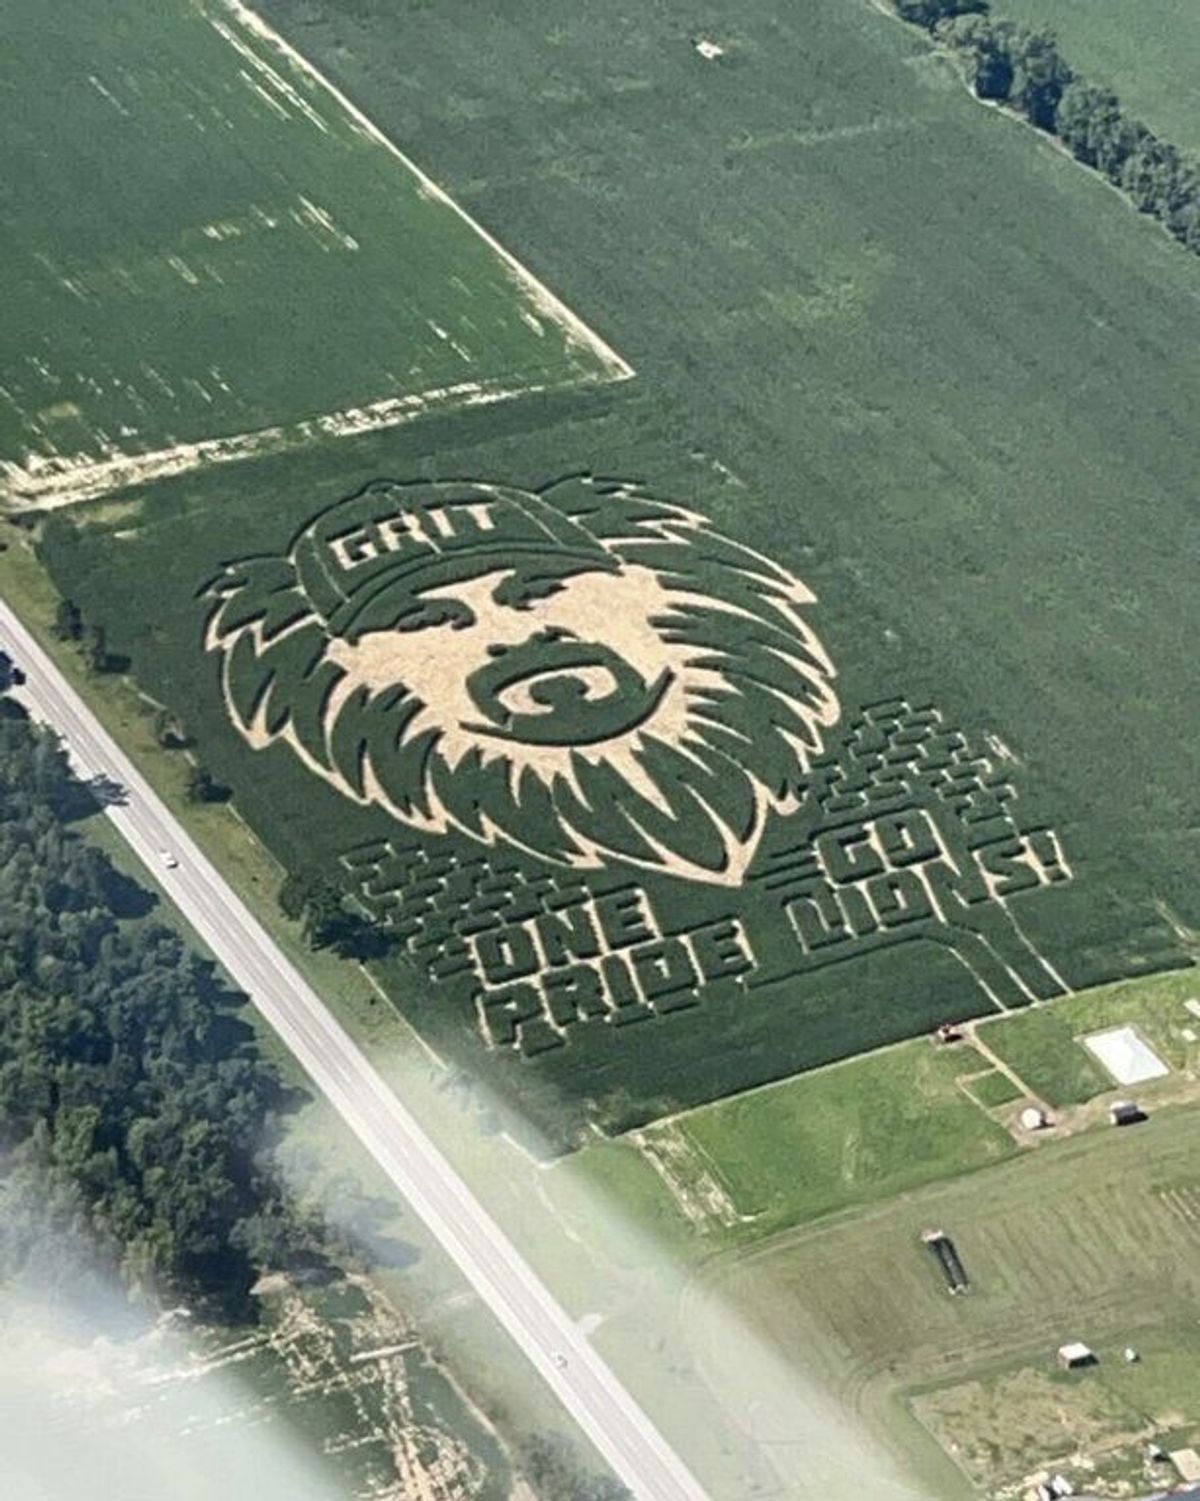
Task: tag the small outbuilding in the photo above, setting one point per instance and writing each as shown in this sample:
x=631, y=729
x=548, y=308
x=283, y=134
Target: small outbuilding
x=1076, y=1355
x=1187, y=1463
x=1126, y=1113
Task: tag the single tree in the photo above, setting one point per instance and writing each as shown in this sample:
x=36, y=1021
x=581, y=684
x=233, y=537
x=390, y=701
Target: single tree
x=68, y=621
x=168, y=732
x=203, y=787
x=95, y=649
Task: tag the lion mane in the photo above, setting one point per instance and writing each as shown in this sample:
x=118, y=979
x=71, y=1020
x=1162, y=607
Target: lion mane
x=687, y=791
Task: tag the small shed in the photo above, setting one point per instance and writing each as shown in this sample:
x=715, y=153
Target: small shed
x=1126, y=1113
x=1076, y=1355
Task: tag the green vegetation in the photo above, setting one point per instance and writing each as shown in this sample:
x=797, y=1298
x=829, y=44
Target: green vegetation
x=968, y=441
x=993, y=1090
x=1149, y=53
x=321, y=908
x=1043, y=1046
x=140, y=1125
x=1048, y=1058
x=1092, y=1238
x=851, y=1134
x=220, y=248
x=1022, y=66
x=134, y=1105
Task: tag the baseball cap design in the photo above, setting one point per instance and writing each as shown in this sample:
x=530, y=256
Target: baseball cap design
x=362, y=562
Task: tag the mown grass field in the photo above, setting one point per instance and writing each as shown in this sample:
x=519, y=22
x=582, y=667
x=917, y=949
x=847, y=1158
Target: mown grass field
x=890, y=338
x=869, y=1128
x=200, y=241
x=993, y=1089
x=1150, y=54
x=875, y=1127
x=1045, y=1047
x=1095, y=1239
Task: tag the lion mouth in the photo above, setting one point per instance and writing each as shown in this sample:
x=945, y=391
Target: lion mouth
x=555, y=690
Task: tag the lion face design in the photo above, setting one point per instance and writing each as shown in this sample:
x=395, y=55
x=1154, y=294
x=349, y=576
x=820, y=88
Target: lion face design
x=585, y=672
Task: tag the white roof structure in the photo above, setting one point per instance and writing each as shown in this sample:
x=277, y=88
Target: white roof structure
x=1187, y=1462
x=1126, y=1055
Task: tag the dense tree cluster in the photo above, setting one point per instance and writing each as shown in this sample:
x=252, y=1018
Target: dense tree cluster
x=1022, y=66
x=135, y=1107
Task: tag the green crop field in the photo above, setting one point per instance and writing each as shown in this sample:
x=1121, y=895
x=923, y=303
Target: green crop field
x=201, y=241
x=932, y=370
x=1149, y=53
x=1094, y=1239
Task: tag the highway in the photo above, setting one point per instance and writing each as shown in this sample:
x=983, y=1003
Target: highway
x=558, y=1350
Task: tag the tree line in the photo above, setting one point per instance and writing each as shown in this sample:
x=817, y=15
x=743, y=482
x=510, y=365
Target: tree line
x=137, y=1113
x=1022, y=66
x=138, y=1116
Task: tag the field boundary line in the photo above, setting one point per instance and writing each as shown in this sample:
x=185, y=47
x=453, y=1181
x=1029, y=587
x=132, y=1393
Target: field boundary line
x=51, y=485
x=546, y=301
x=999, y=1064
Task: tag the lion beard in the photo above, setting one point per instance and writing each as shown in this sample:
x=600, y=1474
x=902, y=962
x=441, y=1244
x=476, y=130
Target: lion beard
x=387, y=720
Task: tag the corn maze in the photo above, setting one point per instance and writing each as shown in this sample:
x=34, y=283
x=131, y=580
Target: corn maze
x=612, y=777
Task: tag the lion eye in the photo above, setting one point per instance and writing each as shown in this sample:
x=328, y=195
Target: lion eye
x=518, y=593
x=435, y=612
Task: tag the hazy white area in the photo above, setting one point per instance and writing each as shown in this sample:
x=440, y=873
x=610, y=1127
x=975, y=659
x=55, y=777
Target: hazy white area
x=1126, y=1055
x=89, y=1408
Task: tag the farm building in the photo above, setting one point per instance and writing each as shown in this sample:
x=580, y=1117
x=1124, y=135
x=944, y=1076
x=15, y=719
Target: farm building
x=1075, y=1355
x=1126, y=1113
